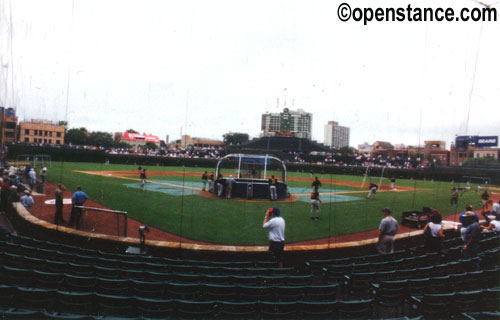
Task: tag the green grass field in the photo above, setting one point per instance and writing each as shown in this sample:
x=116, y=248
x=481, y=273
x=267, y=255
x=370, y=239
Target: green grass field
x=239, y=222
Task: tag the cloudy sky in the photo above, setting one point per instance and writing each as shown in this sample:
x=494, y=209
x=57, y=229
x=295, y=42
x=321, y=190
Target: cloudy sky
x=210, y=67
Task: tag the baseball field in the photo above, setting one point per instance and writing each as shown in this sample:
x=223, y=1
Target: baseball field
x=172, y=202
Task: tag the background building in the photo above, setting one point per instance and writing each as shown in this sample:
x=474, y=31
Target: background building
x=41, y=131
x=8, y=125
x=336, y=136
x=200, y=143
x=137, y=139
x=287, y=123
x=470, y=147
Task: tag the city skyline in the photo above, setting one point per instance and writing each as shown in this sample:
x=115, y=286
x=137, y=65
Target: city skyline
x=161, y=68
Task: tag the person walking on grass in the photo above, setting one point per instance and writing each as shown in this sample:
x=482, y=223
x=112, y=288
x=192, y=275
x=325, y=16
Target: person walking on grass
x=387, y=230
x=454, y=196
x=276, y=226
x=143, y=179
x=315, y=204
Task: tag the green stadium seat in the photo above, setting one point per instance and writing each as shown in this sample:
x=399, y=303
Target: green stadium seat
x=317, y=309
x=116, y=306
x=255, y=293
x=48, y=280
x=189, y=309
x=220, y=292
x=34, y=299
x=184, y=291
x=434, y=306
x=467, y=301
x=74, y=302
x=288, y=293
x=118, y=287
x=277, y=310
x=237, y=310
x=79, y=284
x=17, y=276
x=155, y=308
x=147, y=289
x=355, y=309
x=321, y=292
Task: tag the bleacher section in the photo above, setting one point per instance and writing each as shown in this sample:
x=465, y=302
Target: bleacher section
x=40, y=279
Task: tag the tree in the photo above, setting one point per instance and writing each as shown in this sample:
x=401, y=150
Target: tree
x=345, y=150
x=121, y=145
x=77, y=136
x=101, y=139
x=151, y=145
x=235, y=138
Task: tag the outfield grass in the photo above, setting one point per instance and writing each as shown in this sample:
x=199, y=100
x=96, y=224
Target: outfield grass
x=239, y=222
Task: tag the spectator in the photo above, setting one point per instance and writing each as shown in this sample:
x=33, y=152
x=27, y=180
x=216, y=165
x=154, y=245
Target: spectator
x=493, y=226
x=43, y=173
x=276, y=226
x=78, y=199
x=464, y=221
x=434, y=234
x=4, y=194
x=472, y=236
x=32, y=181
x=27, y=200
x=495, y=210
x=388, y=229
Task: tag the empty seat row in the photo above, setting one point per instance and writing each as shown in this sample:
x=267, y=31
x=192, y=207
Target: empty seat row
x=28, y=241
x=58, y=256
x=19, y=298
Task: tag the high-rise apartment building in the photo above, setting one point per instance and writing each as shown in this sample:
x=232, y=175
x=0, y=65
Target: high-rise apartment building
x=336, y=136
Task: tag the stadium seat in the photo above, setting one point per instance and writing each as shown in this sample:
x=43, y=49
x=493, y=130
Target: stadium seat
x=434, y=306
x=79, y=284
x=391, y=294
x=147, y=289
x=326, y=292
x=189, y=309
x=277, y=310
x=221, y=292
x=255, y=293
x=119, y=287
x=74, y=302
x=112, y=305
x=238, y=310
x=48, y=280
x=154, y=308
x=355, y=309
x=467, y=301
x=17, y=276
x=481, y=315
x=418, y=287
x=184, y=291
x=34, y=299
x=317, y=309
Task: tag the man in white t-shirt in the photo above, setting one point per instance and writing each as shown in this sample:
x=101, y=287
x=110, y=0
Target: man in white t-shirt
x=495, y=210
x=276, y=226
x=493, y=226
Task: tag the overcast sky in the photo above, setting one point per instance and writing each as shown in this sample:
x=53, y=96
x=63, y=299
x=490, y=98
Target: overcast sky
x=210, y=67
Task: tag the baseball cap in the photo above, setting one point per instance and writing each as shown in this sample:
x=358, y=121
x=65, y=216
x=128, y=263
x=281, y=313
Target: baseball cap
x=275, y=211
x=469, y=214
x=386, y=209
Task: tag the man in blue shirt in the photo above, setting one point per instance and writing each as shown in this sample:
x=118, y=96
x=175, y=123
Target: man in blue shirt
x=78, y=199
x=465, y=223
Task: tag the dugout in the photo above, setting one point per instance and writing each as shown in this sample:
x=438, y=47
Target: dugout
x=251, y=174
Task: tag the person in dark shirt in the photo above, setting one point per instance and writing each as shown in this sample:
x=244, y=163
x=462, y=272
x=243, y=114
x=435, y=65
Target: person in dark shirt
x=485, y=196
x=315, y=204
x=58, y=218
x=273, y=183
x=454, y=196
x=372, y=191
x=472, y=237
x=316, y=184
x=204, y=180
x=143, y=179
x=220, y=185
